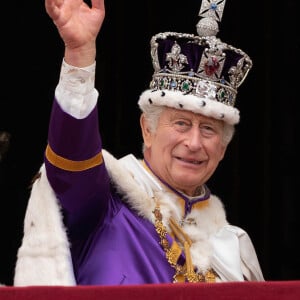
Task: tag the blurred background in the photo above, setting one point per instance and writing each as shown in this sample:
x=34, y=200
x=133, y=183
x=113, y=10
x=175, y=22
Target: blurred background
x=258, y=178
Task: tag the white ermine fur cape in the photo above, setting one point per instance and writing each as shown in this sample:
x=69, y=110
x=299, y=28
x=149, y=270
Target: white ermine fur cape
x=44, y=256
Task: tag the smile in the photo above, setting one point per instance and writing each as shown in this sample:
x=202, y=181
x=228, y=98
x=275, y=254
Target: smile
x=190, y=161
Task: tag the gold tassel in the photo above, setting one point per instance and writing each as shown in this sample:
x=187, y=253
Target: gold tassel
x=185, y=272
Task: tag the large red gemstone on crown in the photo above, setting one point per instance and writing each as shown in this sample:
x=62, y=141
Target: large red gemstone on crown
x=211, y=66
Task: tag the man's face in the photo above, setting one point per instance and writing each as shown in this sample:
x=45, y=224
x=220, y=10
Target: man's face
x=185, y=149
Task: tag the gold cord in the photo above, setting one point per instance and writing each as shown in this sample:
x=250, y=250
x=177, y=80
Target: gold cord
x=186, y=272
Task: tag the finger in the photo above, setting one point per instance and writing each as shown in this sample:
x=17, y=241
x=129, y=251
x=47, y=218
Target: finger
x=98, y=4
x=52, y=7
x=53, y=3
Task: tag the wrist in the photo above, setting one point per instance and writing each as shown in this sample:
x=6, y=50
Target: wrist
x=81, y=56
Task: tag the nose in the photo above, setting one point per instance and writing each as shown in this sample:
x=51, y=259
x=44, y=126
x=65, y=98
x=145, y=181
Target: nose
x=194, y=139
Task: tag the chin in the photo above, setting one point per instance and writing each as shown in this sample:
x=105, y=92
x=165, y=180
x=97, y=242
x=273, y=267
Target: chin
x=186, y=184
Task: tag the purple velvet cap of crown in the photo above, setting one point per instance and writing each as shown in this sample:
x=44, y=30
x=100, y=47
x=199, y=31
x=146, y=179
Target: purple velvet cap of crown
x=193, y=50
x=196, y=73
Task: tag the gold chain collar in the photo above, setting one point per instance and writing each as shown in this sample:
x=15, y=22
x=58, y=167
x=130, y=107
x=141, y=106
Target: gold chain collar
x=186, y=272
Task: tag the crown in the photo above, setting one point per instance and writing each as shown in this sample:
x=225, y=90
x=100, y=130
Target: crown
x=197, y=72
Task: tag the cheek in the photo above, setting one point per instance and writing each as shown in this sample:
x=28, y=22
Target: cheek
x=164, y=142
x=219, y=152
x=215, y=149
x=168, y=138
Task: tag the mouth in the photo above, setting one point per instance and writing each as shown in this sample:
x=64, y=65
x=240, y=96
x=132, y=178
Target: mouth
x=189, y=161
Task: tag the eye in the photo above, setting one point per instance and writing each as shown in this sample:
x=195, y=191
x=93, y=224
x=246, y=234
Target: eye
x=208, y=130
x=182, y=125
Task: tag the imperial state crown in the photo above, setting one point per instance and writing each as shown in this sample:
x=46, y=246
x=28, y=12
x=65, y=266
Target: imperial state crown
x=199, y=73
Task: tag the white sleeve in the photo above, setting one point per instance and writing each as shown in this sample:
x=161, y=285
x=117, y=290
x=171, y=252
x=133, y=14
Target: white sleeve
x=75, y=91
x=249, y=261
x=234, y=257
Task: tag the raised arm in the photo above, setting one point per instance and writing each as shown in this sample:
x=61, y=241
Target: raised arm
x=78, y=25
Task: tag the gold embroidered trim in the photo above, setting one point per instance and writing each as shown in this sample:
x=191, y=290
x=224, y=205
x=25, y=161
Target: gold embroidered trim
x=71, y=165
x=186, y=272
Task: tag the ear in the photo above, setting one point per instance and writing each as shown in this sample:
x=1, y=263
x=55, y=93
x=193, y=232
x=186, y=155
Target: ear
x=146, y=132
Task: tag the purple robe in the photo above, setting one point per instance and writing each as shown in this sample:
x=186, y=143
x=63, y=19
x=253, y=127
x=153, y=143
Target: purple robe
x=110, y=243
